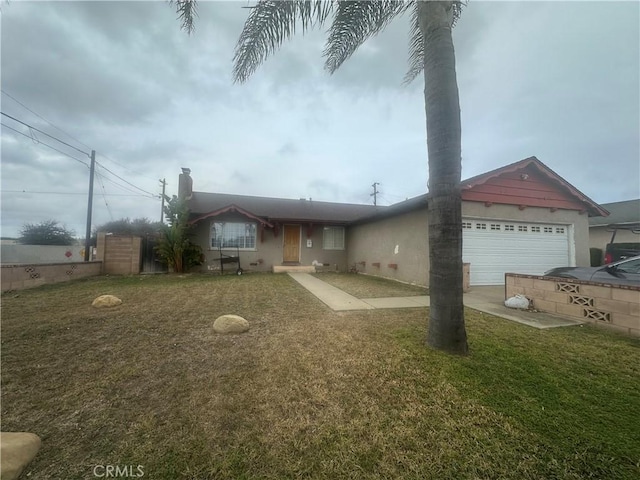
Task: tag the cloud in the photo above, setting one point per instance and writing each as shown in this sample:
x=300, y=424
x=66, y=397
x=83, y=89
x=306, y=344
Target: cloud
x=559, y=81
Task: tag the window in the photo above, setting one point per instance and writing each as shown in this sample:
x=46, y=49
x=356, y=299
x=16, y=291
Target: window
x=559, y=229
x=233, y=235
x=509, y=228
x=631, y=266
x=333, y=238
x=495, y=226
x=466, y=224
x=548, y=229
x=522, y=228
x=535, y=229
x=481, y=226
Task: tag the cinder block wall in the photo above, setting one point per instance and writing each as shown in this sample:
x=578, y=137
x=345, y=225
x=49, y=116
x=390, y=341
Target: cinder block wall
x=613, y=306
x=18, y=277
x=119, y=254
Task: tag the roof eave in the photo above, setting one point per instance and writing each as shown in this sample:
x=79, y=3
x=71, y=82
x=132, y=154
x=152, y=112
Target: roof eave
x=233, y=209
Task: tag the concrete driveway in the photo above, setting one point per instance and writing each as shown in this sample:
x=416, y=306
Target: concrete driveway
x=490, y=299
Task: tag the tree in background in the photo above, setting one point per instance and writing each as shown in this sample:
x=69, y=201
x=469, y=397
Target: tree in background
x=140, y=227
x=174, y=246
x=47, y=232
x=430, y=52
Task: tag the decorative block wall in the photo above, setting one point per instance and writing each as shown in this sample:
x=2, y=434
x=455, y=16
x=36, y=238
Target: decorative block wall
x=614, y=306
x=18, y=277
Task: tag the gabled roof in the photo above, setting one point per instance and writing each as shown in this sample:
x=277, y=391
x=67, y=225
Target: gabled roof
x=203, y=205
x=532, y=165
x=233, y=209
x=269, y=210
x=528, y=164
x=627, y=212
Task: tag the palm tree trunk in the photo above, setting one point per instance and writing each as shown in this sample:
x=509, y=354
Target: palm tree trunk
x=442, y=105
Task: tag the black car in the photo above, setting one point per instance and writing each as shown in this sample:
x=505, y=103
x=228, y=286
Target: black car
x=624, y=272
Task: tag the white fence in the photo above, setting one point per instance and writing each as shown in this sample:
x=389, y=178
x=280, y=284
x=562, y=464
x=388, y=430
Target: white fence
x=39, y=254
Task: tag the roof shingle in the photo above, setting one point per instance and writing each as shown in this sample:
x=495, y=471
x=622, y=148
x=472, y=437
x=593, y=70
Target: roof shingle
x=282, y=208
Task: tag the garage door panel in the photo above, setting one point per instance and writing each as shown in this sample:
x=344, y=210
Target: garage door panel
x=494, y=248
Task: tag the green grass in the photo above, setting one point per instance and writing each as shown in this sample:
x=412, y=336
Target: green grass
x=307, y=392
x=370, y=286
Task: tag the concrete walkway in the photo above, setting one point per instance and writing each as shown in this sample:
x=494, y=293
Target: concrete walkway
x=333, y=297
x=484, y=299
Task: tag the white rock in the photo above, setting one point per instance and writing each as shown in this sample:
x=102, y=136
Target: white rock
x=106, y=301
x=230, y=324
x=17, y=449
x=518, y=301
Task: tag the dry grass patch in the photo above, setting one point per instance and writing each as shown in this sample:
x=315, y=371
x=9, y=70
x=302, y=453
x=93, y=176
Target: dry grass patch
x=369, y=286
x=307, y=392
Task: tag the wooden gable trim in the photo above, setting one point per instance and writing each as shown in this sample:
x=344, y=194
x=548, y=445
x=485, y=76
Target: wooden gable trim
x=528, y=183
x=232, y=209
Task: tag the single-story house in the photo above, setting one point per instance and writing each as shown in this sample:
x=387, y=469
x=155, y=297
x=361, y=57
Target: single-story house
x=623, y=219
x=521, y=218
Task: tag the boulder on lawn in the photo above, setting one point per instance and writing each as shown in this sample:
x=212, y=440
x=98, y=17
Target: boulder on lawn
x=17, y=449
x=230, y=324
x=106, y=301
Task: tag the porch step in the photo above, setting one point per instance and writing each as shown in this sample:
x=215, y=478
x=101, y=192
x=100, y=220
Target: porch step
x=294, y=269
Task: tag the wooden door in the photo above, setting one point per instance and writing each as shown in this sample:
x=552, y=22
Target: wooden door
x=291, y=243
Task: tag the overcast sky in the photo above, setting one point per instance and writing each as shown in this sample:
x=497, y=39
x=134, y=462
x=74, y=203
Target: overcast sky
x=558, y=80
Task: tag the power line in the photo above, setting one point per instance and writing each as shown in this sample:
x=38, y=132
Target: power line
x=123, y=187
x=67, y=133
x=41, y=117
x=125, y=181
x=385, y=198
x=45, y=133
x=35, y=140
x=104, y=196
x=29, y=192
x=119, y=185
x=32, y=128
x=124, y=166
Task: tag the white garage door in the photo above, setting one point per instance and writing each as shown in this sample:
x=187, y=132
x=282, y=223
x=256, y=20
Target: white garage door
x=494, y=248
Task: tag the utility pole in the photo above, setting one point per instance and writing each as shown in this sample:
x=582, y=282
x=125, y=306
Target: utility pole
x=163, y=182
x=375, y=193
x=87, y=237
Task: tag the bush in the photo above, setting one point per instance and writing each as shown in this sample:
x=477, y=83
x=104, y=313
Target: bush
x=174, y=246
x=48, y=232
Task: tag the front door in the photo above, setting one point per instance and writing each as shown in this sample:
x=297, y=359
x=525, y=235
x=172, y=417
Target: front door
x=291, y=243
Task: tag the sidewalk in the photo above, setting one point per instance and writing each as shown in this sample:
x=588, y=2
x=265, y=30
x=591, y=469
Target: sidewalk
x=484, y=299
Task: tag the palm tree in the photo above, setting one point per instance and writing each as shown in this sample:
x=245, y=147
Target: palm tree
x=431, y=51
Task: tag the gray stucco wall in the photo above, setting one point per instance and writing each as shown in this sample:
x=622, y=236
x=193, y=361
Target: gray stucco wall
x=376, y=241
x=269, y=252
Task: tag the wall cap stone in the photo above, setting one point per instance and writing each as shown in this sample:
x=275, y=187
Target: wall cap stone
x=573, y=280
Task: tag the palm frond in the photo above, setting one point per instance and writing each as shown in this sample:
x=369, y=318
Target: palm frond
x=268, y=25
x=416, y=48
x=187, y=13
x=416, y=43
x=354, y=23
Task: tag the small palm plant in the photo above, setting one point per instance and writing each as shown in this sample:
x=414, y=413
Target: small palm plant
x=174, y=247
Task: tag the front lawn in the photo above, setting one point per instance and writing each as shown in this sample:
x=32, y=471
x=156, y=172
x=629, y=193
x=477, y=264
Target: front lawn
x=307, y=392
x=370, y=286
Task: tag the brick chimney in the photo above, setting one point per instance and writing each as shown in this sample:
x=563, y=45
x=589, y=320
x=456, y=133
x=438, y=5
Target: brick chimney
x=185, y=184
